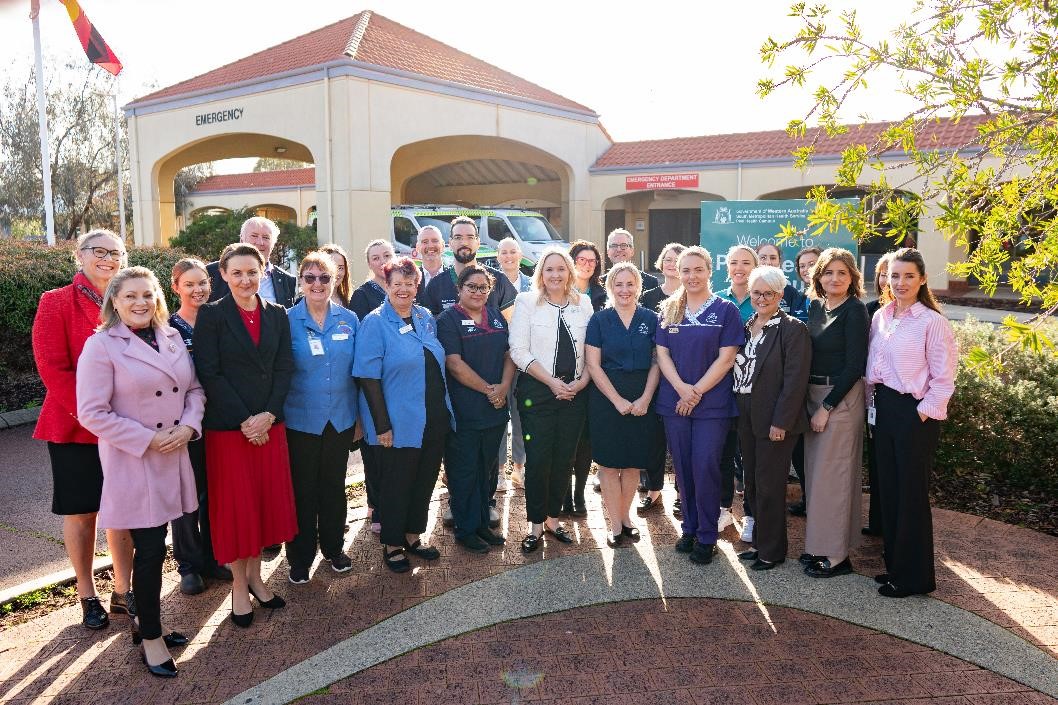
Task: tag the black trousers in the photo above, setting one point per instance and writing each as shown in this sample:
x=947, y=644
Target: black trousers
x=799, y=464
x=407, y=478
x=765, y=464
x=318, y=464
x=653, y=476
x=581, y=465
x=148, y=557
x=471, y=463
x=192, y=545
x=552, y=431
x=905, y=447
x=730, y=469
x=372, y=478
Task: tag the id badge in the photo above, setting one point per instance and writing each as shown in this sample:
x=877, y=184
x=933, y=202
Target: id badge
x=316, y=346
x=340, y=336
x=407, y=328
x=872, y=415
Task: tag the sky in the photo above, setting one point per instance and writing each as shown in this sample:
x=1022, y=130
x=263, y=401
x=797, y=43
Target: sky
x=650, y=69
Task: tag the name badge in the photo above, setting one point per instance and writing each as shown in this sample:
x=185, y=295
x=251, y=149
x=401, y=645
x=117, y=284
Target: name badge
x=316, y=346
x=872, y=415
x=468, y=322
x=340, y=336
x=407, y=328
x=674, y=329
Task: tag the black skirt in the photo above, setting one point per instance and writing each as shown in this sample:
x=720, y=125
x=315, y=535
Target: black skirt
x=77, y=478
x=620, y=441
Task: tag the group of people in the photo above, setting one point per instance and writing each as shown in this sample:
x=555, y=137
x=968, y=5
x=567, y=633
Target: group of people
x=234, y=417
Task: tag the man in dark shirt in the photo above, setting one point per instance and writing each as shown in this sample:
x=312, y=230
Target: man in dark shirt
x=441, y=293
x=277, y=285
x=620, y=248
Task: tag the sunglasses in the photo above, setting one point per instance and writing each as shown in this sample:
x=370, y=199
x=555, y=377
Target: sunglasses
x=312, y=278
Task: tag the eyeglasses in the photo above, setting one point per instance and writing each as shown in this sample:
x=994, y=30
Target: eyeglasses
x=312, y=278
x=766, y=295
x=104, y=253
x=477, y=288
x=586, y=260
x=460, y=238
x=619, y=246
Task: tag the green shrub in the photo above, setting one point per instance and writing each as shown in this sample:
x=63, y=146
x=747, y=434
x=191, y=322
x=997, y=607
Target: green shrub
x=27, y=270
x=205, y=237
x=1001, y=435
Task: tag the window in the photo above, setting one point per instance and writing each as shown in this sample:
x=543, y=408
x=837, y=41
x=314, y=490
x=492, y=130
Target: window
x=404, y=231
x=532, y=228
x=498, y=229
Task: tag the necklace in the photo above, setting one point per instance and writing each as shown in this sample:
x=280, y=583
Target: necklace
x=830, y=309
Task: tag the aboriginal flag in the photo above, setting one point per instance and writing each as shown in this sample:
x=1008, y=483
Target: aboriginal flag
x=94, y=47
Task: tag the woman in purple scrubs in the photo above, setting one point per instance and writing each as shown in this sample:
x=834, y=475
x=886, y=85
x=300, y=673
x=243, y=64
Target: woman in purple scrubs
x=697, y=339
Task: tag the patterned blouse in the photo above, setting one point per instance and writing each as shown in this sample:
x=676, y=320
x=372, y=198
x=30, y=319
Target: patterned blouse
x=746, y=359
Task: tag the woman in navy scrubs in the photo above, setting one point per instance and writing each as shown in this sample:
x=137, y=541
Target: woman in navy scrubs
x=619, y=349
x=697, y=339
x=365, y=299
x=405, y=411
x=480, y=372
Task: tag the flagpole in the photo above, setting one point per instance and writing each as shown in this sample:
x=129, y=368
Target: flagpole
x=42, y=121
x=117, y=159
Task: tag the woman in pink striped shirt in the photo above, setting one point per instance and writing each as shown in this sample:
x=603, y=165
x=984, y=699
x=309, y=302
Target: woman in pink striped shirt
x=911, y=367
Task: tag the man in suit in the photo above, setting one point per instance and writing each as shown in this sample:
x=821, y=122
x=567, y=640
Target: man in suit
x=429, y=248
x=620, y=248
x=277, y=285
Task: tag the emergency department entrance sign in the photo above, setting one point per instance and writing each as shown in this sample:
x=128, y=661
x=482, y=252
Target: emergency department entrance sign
x=753, y=223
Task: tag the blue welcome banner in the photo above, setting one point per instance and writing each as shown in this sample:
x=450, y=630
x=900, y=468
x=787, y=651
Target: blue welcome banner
x=753, y=223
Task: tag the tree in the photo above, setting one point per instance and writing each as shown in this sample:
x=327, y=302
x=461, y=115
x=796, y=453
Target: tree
x=206, y=236
x=81, y=143
x=276, y=164
x=952, y=60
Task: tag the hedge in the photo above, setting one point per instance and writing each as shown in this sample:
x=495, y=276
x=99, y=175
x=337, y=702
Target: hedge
x=27, y=270
x=206, y=236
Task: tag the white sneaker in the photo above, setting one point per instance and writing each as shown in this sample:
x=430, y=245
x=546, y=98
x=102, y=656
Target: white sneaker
x=446, y=518
x=726, y=519
x=747, y=530
x=517, y=479
x=494, y=517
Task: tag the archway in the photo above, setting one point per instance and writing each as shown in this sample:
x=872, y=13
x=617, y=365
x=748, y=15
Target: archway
x=276, y=212
x=477, y=170
x=656, y=218
x=224, y=146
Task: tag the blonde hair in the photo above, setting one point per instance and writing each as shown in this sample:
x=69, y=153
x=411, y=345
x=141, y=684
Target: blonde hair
x=827, y=258
x=612, y=275
x=84, y=239
x=677, y=246
x=538, y=274
x=673, y=307
x=344, y=287
x=109, y=314
x=186, y=265
x=752, y=253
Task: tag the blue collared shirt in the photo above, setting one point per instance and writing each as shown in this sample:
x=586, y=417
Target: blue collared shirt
x=745, y=307
x=322, y=388
x=386, y=353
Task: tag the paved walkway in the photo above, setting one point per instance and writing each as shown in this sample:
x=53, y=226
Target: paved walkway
x=989, y=634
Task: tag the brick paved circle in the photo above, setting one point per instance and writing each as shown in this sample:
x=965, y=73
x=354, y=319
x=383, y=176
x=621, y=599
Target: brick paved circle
x=681, y=651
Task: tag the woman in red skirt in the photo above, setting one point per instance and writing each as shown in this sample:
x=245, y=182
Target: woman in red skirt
x=244, y=361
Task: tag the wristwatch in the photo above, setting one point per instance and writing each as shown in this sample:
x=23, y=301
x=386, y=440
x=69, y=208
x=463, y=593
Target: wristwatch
x=829, y=407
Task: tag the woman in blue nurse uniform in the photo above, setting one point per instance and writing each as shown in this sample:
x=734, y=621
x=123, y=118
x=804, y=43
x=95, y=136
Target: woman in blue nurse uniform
x=406, y=413
x=697, y=339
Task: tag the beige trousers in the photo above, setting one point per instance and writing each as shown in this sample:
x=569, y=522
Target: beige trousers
x=834, y=475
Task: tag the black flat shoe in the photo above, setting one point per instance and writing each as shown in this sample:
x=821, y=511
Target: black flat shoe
x=630, y=532
x=809, y=559
x=219, y=572
x=881, y=578
x=649, y=504
x=275, y=603
x=797, y=509
x=823, y=569
x=890, y=590
x=616, y=541
x=579, y=512
x=123, y=604
x=427, y=553
x=685, y=544
x=491, y=537
x=473, y=543
x=94, y=616
x=750, y=555
x=560, y=532
x=172, y=639
x=702, y=553
x=530, y=543
x=760, y=564
x=192, y=584
x=397, y=565
x=868, y=531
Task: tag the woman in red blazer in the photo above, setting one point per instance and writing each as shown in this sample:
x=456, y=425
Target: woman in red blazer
x=65, y=318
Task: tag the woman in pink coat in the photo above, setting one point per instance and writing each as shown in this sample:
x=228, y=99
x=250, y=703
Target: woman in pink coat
x=138, y=393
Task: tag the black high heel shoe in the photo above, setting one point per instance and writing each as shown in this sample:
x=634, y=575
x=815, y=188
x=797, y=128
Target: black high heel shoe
x=275, y=603
x=162, y=670
x=172, y=639
x=241, y=620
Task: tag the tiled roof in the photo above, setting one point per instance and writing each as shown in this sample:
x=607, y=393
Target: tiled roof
x=262, y=179
x=772, y=144
x=370, y=38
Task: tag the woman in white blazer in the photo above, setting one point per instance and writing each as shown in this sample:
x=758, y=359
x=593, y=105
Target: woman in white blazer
x=547, y=345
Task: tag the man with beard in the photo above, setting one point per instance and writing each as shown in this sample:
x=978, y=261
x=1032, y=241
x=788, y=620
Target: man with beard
x=441, y=293
x=429, y=246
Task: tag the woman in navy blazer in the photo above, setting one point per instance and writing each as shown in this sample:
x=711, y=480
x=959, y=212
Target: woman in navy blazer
x=244, y=362
x=320, y=415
